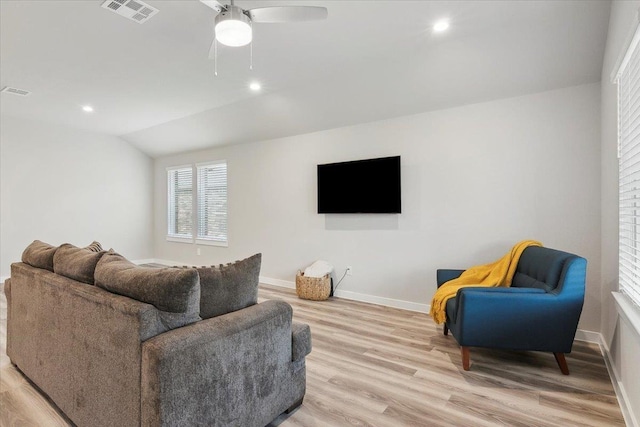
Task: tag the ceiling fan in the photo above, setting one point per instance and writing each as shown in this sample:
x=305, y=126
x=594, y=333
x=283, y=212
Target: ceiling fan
x=233, y=25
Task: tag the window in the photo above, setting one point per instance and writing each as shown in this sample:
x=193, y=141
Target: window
x=180, y=202
x=212, y=203
x=199, y=205
x=628, y=79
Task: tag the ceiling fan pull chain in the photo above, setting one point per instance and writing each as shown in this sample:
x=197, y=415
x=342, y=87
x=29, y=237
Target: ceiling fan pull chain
x=251, y=47
x=215, y=57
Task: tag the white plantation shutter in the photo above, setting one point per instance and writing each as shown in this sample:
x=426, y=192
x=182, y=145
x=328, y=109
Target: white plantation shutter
x=628, y=79
x=212, y=202
x=180, y=202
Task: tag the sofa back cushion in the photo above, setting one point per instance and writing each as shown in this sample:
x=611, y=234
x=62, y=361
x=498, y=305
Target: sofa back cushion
x=175, y=292
x=76, y=263
x=540, y=268
x=230, y=287
x=40, y=255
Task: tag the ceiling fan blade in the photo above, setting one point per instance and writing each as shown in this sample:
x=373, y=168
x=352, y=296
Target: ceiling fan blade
x=287, y=14
x=213, y=4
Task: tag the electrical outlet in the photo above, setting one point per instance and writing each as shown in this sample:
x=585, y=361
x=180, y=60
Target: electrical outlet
x=198, y=252
x=349, y=270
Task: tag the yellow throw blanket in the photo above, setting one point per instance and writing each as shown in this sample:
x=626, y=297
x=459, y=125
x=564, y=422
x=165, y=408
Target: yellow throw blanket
x=498, y=273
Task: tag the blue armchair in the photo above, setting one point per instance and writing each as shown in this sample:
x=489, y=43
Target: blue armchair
x=539, y=312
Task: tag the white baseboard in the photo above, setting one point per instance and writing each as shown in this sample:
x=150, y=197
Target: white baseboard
x=277, y=282
x=588, y=336
x=630, y=418
x=355, y=296
x=618, y=387
x=388, y=302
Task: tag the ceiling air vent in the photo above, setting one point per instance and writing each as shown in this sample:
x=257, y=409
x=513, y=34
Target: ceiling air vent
x=134, y=10
x=15, y=91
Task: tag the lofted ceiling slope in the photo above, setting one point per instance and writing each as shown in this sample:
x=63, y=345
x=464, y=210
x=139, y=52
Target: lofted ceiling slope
x=153, y=85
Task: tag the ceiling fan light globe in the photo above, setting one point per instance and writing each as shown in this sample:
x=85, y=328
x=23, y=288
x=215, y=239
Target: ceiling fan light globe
x=233, y=29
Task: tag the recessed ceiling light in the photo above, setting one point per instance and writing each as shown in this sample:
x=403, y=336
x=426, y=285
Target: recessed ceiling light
x=440, y=26
x=87, y=108
x=255, y=86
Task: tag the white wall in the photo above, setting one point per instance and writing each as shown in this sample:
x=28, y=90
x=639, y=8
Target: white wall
x=475, y=180
x=624, y=344
x=63, y=185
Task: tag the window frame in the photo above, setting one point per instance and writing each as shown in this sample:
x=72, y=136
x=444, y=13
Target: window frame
x=627, y=298
x=195, y=237
x=174, y=237
x=205, y=240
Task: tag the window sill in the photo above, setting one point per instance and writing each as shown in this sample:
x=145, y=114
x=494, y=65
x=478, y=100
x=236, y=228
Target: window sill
x=212, y=243
x=628, y=311
x=179, y=239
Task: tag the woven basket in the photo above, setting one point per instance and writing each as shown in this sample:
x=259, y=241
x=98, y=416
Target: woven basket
x=313, y=288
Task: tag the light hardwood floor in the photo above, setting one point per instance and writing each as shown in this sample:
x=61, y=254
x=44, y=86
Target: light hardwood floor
x=379, y=366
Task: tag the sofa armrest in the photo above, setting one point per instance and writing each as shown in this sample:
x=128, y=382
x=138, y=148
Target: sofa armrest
x=444, y=275
x=234, y=369
x=516, y=318
x=300, y=341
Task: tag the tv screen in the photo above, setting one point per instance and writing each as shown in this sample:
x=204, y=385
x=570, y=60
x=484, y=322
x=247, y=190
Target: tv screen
x=362, y=186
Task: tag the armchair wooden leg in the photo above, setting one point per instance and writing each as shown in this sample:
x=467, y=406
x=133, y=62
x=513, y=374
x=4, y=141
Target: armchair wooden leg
x=446, y=330
x=465, y=358
x=562, y=363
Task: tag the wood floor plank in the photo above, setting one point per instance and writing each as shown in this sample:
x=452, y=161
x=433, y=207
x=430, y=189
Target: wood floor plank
x=347, y=397
x=11, y=379
x=495, y=413
x=25, y=406
x=534, y=415
x=587, y=406
x=384, y=367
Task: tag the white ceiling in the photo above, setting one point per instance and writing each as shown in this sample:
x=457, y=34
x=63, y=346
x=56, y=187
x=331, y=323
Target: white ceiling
x=153, y=84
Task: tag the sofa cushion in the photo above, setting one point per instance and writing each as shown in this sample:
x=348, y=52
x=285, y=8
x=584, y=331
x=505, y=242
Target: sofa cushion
x=76, y=263
x=40, y=255
x=175, y=292
x=229, y=287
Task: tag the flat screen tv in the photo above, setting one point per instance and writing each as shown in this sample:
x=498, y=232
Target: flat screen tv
x=362, y=186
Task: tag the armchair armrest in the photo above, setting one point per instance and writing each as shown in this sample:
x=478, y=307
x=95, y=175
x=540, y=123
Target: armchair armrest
x=234, y=369
x=444, y=275
x=516, y=319
x=478, y=297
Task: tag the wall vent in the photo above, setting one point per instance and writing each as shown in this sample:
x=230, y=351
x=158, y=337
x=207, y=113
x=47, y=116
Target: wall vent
x=134, y=10
x=15, y=91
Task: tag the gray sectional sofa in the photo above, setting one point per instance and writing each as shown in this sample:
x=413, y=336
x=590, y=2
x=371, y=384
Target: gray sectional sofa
x=115, y=344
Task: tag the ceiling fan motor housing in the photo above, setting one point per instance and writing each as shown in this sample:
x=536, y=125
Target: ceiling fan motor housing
x=233, y=27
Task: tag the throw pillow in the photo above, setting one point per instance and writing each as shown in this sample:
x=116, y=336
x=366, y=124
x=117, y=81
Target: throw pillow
x=76, y=263
x=230, y=287
x=174, y=292
x=40, y=255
